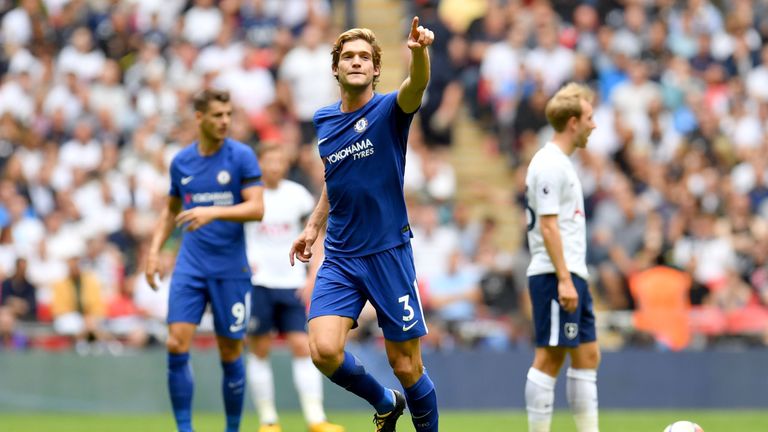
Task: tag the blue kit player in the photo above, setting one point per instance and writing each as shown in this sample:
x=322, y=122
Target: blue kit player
x=564, y=322
x=362, y=142
x=215, y=187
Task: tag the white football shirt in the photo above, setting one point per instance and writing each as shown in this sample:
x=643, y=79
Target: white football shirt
x=269, y=241
x=553, y=188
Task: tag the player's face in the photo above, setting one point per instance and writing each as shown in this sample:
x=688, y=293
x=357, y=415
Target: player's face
x=274, y=165
x=585, y=125
x=355, y=68
x=214, y=122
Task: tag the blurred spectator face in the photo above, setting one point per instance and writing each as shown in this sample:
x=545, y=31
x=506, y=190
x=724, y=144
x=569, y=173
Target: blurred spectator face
x=547, y=37
x=17, y=205
x=638, y=72
x=214, y=122
x=312, y=36
x=585, y=18
x=81, y=40
x=274, y=165
x=204, y=4
x=21, y=268
x=110, y=76
x=83, y=131
x=634, y=17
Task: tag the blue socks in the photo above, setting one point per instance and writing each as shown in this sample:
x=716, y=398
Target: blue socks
x=233, y=389
x=181, y=386
x=422, y=402
x=352, y=376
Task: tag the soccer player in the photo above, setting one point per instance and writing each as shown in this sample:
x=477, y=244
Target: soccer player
x=557, y=275
x=278, y=296
x=215, y=186
x=368, y=256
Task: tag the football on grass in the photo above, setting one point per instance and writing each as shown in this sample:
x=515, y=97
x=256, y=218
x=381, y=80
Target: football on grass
x=683, y=426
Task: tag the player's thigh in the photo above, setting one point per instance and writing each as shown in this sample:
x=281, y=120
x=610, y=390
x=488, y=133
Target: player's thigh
x=290, y=313
x=390, y=283
x=553, y=325
x=231, y=304
x=187, y=299
x=337, y=290
x=261, y=321
x=587, y=328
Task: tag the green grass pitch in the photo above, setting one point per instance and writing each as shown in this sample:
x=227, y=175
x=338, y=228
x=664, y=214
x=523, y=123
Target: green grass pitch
x=359, y=421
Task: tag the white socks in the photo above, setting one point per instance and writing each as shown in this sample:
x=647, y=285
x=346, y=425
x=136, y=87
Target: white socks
x=581, y=389
x=306, y=378
x=309, y=386
x=539, y=400
x=262, y=387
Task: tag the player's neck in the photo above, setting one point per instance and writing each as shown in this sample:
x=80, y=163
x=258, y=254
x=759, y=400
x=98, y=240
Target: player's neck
x=352, y=100
x=207, y=147
x=565, y=142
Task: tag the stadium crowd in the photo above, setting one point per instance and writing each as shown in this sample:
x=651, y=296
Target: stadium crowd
x=96, y=99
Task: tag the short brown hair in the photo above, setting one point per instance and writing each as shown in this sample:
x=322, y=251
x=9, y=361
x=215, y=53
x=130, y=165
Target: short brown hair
x=203, y=98
x=354, y=34
x=566, y=103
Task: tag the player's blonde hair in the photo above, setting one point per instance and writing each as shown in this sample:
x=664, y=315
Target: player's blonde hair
x=566, y=103
x=354, y=34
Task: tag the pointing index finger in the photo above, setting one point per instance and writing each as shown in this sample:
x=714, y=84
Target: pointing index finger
x=415, y=26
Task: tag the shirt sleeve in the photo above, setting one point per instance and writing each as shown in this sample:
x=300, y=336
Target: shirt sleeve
x=251, y=172
x=175, y=189
x=548, y=183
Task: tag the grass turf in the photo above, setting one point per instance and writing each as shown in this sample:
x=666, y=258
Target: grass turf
x=450, y=421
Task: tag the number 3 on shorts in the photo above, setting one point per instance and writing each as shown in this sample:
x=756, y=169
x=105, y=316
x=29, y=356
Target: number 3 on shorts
x=408, y=309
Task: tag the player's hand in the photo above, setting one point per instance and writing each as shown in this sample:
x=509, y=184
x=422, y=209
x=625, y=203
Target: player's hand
x=195, y=218
x=419, y=37
x=151, y=270
x=302, y=246
x=567, y=295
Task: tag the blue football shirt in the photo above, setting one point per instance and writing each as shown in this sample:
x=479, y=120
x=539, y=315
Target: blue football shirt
x=217, y=250
x=364, y=157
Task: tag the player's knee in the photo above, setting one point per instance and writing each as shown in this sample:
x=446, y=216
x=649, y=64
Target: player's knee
x=587, y=359
x=325, y=355
x=176, y=345
x=407, y=369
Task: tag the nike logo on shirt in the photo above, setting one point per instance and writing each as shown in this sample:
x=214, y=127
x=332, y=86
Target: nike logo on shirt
x=186, y=180
x=321, y=140
x=408, y=327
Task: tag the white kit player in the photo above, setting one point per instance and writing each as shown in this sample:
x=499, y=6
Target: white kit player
x=564, y=322
x=279, y=296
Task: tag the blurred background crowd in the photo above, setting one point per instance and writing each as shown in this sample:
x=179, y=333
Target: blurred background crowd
x=95, y=100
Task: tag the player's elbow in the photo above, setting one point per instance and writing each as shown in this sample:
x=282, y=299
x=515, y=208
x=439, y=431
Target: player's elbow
x=257, y=212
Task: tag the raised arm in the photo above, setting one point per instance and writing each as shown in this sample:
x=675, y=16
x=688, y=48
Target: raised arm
x=412, y=89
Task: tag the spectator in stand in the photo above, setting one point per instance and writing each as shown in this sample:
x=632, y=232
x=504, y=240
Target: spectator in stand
x=78, y=307
x=18, y=295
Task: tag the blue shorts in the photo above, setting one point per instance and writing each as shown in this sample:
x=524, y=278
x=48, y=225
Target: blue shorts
x=552, y=324
x=230, y=301
x=387, y=279
x=276, y=309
